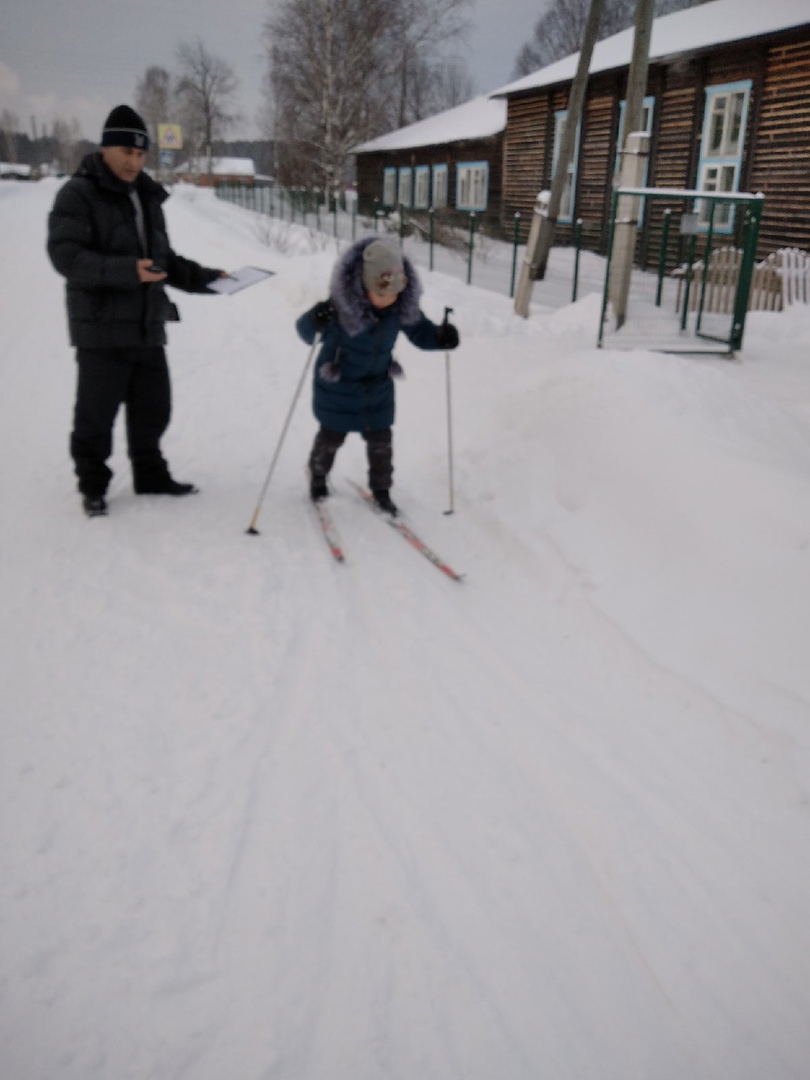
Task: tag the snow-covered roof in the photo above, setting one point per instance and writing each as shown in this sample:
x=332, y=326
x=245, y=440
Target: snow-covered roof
x=476, y=119
x=14, y=169
x=220, y=166
x=701, y=27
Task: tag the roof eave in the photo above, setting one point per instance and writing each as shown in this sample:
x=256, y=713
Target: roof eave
x=659, y=59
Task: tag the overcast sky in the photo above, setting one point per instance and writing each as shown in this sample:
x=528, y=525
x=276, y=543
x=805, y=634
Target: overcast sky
x=79, y=58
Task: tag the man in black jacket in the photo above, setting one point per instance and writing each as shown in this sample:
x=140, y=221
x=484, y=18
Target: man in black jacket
x=107, y=237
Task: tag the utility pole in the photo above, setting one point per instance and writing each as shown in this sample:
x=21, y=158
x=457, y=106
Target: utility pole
x=639, y=66
x=634, y=155
x=544, y=220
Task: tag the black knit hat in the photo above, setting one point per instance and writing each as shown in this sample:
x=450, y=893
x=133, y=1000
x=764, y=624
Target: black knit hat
x=123, y=127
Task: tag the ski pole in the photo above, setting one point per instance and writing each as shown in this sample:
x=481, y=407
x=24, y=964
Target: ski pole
x=447, y=311
x=251, y=530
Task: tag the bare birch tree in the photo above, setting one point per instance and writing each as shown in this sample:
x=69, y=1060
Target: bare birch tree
x=9, y=126
x=419, y=33
x=153, y=95
x=342, y=71
x=66, y=138
x=328, y=81
x=206, y=91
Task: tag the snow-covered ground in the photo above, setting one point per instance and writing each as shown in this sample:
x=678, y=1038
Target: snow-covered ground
x=268, y=817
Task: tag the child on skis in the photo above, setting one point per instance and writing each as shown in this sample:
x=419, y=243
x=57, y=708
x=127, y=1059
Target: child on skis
x=374, y=293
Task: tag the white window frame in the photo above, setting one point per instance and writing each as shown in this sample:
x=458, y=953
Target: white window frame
x=720, y=163
x=405, y=187
x=421, y=187
x=439, y=187
x=472, y=185
x=568, y=201
x=389, y=187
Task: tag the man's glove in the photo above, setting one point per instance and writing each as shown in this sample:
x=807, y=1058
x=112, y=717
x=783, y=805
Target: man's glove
x=323, y=315
x=447, y=336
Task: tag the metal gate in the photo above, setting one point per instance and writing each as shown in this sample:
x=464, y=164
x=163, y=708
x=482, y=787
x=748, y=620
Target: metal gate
x=702, y=246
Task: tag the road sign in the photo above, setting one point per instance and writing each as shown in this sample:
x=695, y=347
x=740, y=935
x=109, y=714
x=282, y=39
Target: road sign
x=167, y=158
x=170, y=137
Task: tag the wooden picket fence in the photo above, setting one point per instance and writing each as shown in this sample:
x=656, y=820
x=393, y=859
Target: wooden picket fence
x=766, y=286
x=794, y=266
x=781, y=279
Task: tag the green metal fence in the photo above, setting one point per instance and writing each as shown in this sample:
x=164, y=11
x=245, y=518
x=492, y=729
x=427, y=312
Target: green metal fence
x=479, y=247
x=700, y=254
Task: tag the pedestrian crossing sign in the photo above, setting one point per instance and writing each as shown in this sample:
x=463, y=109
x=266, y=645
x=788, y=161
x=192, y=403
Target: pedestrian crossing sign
x=170, y=137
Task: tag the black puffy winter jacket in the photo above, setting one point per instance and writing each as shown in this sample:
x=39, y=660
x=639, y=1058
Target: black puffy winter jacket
x=93, y=242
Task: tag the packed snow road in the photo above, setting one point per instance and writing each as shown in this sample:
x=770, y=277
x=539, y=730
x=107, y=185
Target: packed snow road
x=268, y=816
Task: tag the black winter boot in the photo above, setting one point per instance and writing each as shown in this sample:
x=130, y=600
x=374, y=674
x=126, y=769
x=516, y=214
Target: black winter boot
x=383, y=501
x=94, y=505
x=164, y=486
x=318, y=489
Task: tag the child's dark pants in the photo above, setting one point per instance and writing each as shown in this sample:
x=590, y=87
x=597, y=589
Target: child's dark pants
x=379, y=449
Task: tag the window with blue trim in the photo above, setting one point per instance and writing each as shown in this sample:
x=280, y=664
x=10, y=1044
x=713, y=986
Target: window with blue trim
x=721, y=150
x=439, y=199
x=389, y=187
x=566, y=213
x=421, y=187
x=472, y=185
x=404, y=192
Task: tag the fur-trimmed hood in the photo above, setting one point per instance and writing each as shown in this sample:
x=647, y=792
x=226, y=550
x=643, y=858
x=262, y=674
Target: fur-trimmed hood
x=355, y=311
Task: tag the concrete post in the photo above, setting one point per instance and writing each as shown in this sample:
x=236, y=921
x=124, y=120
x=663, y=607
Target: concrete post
x=523, y=293
x=631, y=174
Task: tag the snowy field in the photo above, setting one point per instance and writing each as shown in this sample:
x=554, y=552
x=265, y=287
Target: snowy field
x=269, y=817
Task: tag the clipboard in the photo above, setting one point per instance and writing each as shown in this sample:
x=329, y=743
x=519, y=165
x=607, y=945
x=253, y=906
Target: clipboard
x=239, y=279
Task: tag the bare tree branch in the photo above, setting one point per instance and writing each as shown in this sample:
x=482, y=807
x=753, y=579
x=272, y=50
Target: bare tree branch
x=153, y=95
x=205, y=90
x=342, y=71
x=558, y=32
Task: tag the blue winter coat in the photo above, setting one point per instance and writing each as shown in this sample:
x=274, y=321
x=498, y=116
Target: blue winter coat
x=353, y=388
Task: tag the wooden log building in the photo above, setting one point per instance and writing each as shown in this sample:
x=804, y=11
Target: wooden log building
x=727, y=109
x=451, y=163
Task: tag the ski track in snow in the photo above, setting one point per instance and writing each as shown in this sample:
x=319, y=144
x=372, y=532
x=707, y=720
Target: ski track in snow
x=273, y=818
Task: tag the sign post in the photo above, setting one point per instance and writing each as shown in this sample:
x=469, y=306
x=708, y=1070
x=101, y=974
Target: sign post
x=170, y=138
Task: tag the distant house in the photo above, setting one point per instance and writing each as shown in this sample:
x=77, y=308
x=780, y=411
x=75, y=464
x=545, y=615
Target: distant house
x=231, y=170
x=727, y=109
x=449, y=162
x=15, y=171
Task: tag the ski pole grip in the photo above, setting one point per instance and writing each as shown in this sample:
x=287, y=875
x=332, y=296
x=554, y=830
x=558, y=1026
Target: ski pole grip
x=447, y=311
